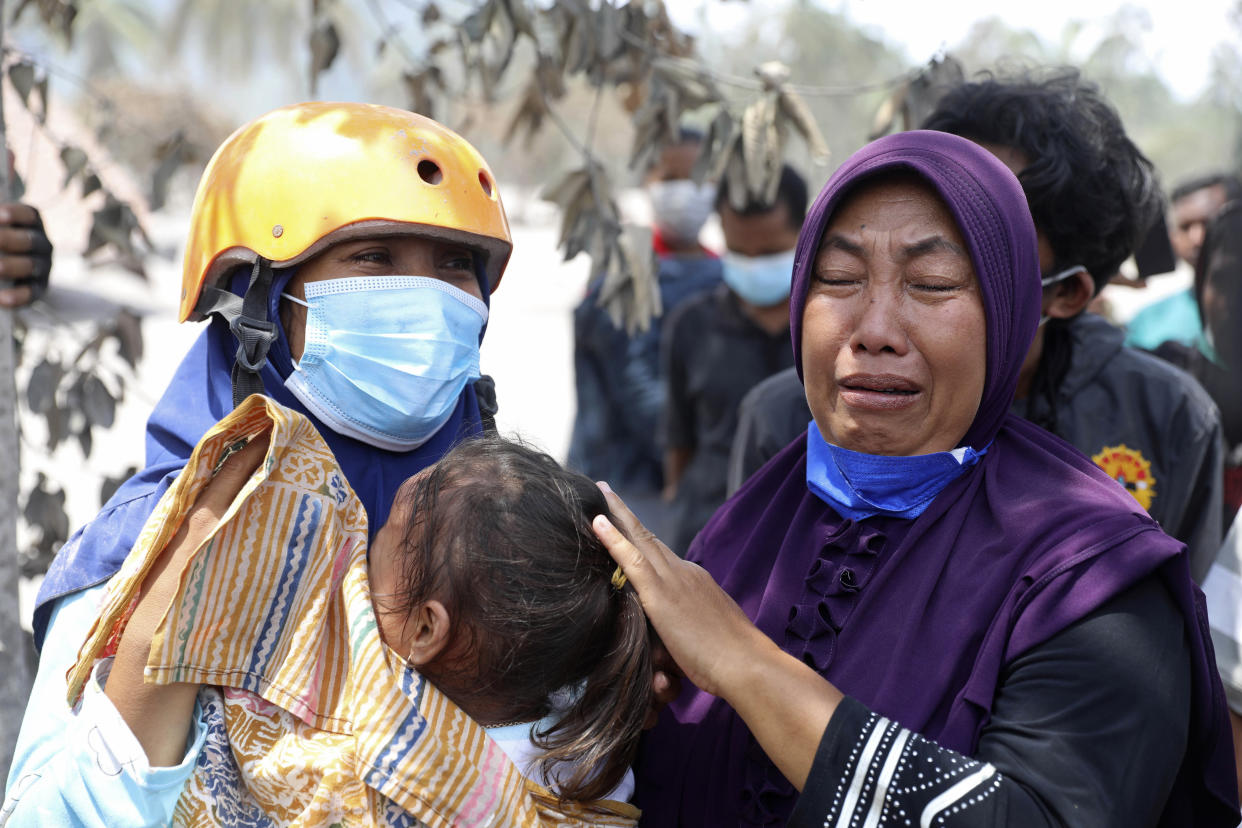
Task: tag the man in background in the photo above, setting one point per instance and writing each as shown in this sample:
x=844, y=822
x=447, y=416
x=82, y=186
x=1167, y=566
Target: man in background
x=620, y=390
x=719, y=344
x=1176, y=318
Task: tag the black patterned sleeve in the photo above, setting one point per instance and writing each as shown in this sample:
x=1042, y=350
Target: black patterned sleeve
x=1088, y=729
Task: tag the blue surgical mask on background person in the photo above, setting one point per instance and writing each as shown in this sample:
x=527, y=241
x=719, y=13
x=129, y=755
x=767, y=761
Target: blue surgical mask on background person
x=387, y=357
x=760, y=280
x=680, y=208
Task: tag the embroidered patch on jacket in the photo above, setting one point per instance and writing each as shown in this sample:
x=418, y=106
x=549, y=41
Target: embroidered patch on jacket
x=1129, y=468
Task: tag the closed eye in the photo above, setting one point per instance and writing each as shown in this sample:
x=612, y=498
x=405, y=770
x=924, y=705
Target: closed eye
x=833, y=280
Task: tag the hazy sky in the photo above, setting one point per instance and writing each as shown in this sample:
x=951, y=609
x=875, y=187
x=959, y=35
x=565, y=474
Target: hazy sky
x=1179, y=40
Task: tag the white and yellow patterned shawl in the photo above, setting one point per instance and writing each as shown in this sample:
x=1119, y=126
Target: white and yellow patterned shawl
x=325, y=726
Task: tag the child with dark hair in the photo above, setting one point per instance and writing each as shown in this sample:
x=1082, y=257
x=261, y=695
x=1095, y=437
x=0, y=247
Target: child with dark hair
x=473, y=662
x=488, y=580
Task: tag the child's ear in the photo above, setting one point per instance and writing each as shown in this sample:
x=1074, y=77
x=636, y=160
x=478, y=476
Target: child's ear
x=428, y=632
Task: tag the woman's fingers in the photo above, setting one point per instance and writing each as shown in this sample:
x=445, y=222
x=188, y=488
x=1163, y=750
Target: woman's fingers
x=640, y=546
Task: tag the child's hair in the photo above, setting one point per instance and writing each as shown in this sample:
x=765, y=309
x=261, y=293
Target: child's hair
x=501, y=535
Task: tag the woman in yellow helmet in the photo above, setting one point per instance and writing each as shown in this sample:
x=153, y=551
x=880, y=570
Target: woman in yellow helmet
x=344, y=255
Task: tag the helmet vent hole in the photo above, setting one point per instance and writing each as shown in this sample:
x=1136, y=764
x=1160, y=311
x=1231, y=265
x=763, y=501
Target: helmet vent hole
x=485, y=183
x=429, y=171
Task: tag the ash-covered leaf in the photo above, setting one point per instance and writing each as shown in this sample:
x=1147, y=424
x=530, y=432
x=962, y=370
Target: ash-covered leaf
x=421, y=86
x=45, y=511
x=325, y=44
x=22, y=76
x=762, y=153
x=41, y=389
x=928, y=87
x=116, y=226
x=886, y=116
x=40, y=89
x=75, y=161
x=170, y=155
x=799, y=114
x=98, y=404
x=477, y=23
x=57, y=427
x=719, y=143
x=630, y=292
x=528, y=115
x=128, y=330
x=520, y=17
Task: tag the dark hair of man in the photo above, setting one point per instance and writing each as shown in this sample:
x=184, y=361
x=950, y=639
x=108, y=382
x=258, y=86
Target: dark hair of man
x=501, y=535
x=792, y=192
x=1092, y=193
x=1231, y=184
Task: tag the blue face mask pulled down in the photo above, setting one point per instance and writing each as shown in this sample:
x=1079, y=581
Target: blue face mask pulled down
x=387, y=357
x=760, y=280
x=860, y=486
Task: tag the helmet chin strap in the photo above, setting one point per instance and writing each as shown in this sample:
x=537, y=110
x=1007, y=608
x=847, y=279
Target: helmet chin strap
x=247, y=318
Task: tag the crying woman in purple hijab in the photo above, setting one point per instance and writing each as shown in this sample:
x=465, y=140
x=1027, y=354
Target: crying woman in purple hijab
x=925, y=610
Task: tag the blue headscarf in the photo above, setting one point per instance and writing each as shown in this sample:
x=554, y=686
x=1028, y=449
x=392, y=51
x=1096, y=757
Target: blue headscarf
x=199, y=395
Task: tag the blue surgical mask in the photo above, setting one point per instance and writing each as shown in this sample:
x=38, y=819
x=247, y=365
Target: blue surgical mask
x=859, y=485
x=386, y=358
x=761, y=280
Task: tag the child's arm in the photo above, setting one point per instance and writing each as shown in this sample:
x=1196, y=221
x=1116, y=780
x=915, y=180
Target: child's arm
x=160, y=716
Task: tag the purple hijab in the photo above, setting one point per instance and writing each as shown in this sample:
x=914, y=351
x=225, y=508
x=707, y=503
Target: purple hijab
x=918, y=618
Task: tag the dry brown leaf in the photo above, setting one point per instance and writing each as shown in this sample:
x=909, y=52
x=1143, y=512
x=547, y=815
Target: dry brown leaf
x=886, y=115
x=325, y=44
x=799, y=114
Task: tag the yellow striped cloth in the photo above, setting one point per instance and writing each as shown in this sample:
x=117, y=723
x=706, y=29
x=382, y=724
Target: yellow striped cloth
x=325, y=725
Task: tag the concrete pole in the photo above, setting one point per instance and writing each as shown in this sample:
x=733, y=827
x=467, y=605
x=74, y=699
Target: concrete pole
x=14, y=675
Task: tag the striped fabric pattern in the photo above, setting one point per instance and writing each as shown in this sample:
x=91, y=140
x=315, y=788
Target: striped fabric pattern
x=894, y=777
x=327, y=725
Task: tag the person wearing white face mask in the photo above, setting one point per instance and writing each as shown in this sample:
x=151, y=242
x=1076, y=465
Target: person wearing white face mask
x=719, y=344
x=343, y=255
x=620, y=390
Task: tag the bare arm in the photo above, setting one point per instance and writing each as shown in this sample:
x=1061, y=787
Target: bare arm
x=160, y=715
x=720, y=650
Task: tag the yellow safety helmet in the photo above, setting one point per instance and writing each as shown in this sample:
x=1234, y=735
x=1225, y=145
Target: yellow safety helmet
x=304, y=177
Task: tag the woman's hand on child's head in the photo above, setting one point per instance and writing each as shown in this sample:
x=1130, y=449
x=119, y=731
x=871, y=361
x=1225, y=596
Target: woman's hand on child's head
x=705, y=632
